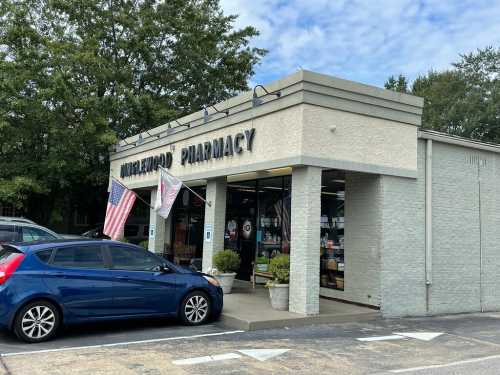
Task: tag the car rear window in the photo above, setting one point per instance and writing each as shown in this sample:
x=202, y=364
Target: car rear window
x=6, y=252
x=7, y=233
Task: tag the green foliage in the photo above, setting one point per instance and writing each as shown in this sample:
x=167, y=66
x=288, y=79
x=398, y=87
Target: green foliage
x=144, y=244
x=77, y=76
x=262, y=260
x=462, y=101
x=399, y=84
x=226, y=261
x=280, y=269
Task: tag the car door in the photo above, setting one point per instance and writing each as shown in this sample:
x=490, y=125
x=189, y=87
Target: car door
x=79, y=275
x=140, y=288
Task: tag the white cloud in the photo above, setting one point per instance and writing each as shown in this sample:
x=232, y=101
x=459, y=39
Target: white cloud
x=366, y=40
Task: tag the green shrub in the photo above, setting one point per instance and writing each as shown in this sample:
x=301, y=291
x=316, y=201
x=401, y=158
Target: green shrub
x=227, y=261
x=280, y=269
x=144, y=244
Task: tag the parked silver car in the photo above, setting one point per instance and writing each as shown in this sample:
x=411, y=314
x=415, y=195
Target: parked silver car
x=19, y=229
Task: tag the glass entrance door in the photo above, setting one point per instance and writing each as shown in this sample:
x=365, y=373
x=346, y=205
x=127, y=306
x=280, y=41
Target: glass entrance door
x=240, y=230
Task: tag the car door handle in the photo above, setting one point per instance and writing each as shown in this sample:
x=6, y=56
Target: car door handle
x=123, y=277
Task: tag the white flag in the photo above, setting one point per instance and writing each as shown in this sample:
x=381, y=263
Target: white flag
x=168, y=188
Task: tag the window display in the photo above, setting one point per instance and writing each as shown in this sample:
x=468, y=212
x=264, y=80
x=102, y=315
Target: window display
x=258, y=222
x=332, y=230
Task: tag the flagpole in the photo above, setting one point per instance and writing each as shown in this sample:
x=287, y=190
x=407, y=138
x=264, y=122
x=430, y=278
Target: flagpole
x=187, y=187
x=137, y=195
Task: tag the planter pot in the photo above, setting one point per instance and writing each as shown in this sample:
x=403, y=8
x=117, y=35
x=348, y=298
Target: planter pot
x=226, y=281
x=279, y=296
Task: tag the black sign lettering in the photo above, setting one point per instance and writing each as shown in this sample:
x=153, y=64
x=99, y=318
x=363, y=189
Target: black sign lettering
x=249, y=134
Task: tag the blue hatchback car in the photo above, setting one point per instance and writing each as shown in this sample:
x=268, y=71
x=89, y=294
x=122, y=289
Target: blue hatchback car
x=46, y=284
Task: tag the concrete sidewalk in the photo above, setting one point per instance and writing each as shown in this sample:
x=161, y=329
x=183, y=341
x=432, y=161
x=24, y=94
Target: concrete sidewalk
x=250, y=310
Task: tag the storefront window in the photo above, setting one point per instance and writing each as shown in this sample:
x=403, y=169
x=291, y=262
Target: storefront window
x=187, y=225
x=258, y=222
x=332, y=229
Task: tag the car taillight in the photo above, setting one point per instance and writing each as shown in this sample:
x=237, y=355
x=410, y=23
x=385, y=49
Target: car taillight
x=8, y=267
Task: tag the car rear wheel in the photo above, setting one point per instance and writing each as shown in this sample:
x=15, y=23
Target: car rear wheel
x=196, y=308
x=37, y=321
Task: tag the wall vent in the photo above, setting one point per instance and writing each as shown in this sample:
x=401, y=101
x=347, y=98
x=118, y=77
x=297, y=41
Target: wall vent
x=475, y=160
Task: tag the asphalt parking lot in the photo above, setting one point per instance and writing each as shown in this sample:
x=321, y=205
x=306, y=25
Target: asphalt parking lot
x=108, y=334
x=458, y=344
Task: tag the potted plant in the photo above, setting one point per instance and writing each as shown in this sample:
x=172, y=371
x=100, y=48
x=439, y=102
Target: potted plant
x=278, y=286
x=226, y=263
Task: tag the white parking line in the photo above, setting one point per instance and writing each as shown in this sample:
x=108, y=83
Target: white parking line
x=122, y=343
x=381, y=338
x=458, y=363
x=208, y=358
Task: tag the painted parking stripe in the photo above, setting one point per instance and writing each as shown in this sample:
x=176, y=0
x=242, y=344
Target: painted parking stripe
x=381, y=338
x=444, y=365
x=122, y=343
x=208, y=358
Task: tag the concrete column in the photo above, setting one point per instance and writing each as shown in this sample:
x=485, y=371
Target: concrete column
x=305, y=240
x=215, y=217
x=156, y=242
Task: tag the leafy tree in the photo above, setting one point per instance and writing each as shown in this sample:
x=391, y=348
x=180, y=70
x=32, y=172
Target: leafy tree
x=75, y=76
x=399, y=84
x=464, y=100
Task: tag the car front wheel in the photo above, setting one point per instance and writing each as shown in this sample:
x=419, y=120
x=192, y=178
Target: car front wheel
x=37, y=321
x=195, y=308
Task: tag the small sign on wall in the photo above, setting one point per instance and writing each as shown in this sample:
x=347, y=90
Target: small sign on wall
x=152, y=231
x=208, y=232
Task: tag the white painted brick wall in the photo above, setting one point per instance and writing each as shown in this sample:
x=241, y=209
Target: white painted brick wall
x=215, y=215
x=305, y=240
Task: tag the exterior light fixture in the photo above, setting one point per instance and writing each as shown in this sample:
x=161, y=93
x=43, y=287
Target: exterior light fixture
x=256, y=100
x=188, y=124
x=206, y=116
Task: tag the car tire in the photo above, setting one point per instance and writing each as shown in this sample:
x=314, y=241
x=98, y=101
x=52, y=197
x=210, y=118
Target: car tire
x=196, y=308
x=37, y=321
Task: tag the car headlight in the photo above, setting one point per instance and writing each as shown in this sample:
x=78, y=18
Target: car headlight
x=212, y=280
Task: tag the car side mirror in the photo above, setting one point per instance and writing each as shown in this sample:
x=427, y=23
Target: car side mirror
x=164, y=269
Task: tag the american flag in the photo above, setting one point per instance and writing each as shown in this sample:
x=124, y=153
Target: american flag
x=120, y=203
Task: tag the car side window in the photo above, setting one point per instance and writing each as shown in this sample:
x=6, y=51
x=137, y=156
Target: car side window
x=8, y=233
x=44, y=255
x=35, y=234
x=79, y=256
x=130, y=259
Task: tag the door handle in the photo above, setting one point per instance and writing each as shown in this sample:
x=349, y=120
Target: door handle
x=123, y=277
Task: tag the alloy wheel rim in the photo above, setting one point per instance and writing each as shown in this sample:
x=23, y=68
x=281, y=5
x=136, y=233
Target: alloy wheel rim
x=38, y=322
x=196, y=309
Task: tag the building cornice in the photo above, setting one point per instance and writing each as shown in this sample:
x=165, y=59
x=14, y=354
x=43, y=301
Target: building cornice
x=302, y=87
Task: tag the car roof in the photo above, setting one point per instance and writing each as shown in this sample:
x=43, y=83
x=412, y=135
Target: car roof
x=27, y=247
x=13, y=219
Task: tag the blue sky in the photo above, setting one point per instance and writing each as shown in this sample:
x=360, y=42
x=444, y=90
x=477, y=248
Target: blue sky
x=365, y=40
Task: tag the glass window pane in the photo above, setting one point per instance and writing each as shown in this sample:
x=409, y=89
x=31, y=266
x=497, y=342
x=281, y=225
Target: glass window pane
x=127, y=258
x=35, y=234
x=332, y=229
x=79, y=257
x=44, y=255
x=7, y=233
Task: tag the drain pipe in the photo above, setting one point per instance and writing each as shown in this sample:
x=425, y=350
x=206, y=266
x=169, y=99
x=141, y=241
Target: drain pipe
x=428, y=221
